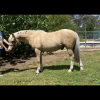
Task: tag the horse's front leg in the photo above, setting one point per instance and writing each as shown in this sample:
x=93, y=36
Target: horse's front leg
x=39, y=61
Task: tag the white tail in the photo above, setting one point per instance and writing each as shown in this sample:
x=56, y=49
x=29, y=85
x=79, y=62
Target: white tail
x=76, y=49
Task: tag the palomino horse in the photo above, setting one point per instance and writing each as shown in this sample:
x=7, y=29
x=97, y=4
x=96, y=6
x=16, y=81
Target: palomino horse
x=42, y=41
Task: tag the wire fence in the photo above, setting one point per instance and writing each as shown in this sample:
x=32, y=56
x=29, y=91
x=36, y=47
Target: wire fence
x=89, y=39
x=89, y=34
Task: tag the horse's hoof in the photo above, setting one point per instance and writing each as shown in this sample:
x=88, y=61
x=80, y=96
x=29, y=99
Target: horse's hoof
x=81, y=69
x=36, y=73
x=69, y=71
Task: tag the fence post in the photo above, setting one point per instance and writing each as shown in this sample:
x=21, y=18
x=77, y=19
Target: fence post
x=85, y=36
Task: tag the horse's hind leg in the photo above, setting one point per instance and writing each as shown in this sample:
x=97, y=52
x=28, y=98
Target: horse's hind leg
x=39, y=61
x=70, y=52
x=81, y=66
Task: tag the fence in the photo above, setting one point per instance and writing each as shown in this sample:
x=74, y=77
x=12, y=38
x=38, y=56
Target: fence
x=89, y=39
x=89, y=34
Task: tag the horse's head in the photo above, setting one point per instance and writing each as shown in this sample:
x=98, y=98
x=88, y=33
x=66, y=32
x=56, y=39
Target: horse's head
x=13, y=42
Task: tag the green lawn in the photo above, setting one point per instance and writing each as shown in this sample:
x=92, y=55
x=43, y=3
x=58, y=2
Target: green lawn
x=56, y=73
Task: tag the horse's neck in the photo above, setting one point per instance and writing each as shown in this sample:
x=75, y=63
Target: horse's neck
x=23, y=37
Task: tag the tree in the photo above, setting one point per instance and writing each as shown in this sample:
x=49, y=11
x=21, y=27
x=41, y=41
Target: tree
x=14, y=23
x=89, y=26
x=81, y=20
x=57, y=22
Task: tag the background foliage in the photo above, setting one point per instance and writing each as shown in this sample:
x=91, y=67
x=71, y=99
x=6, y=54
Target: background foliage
x=14, y=23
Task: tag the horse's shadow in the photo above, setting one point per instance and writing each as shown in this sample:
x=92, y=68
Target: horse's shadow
x=60, y=67
x=14, y=70
x=54, y=67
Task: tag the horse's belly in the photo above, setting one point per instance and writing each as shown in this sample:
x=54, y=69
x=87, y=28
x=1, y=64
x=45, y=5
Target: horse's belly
x=51, y=48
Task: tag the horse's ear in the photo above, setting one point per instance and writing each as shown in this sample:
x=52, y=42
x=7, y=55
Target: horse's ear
x=13, y=35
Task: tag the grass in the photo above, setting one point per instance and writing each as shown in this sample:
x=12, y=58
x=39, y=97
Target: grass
x=56, y=73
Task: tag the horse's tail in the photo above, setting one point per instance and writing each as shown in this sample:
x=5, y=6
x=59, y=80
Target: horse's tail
x=76, y=49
